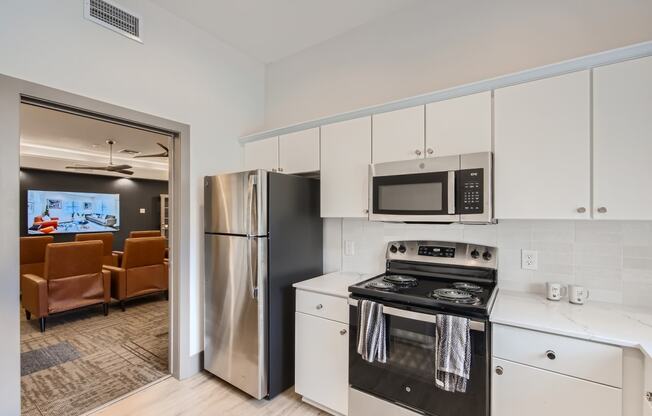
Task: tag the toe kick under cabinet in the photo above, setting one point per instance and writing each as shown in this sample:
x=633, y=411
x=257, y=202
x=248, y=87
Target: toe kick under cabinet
x=322, y=351
x=541, y=374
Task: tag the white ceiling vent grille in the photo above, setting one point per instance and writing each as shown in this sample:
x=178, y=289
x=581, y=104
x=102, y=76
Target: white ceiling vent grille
x=114, y=17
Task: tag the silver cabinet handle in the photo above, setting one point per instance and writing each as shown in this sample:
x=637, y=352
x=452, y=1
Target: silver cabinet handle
x=551, y=354
x=319, y=306
x=430, y=151
x=499, y=370
x=581, y=210
x=417, y=152
x=343, y=332
x=602, y=210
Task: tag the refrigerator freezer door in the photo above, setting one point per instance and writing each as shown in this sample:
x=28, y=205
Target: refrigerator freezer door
x=236, y=203
x=235, y=334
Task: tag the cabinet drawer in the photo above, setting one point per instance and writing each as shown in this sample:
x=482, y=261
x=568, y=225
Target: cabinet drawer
x=324, y=306
x=583, y=359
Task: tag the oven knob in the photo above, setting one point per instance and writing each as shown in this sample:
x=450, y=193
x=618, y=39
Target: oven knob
x=393, y=249
x=475, y=254
x=486, y=255
x=401, y=248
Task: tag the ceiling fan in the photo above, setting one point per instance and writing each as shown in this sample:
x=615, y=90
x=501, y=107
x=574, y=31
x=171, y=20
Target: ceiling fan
x=124, y=169
x=162, y=154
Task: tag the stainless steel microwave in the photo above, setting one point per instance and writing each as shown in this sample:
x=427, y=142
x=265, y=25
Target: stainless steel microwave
x=440, y=189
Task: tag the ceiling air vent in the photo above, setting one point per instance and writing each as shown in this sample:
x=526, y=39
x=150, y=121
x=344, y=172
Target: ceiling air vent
x=114, y=17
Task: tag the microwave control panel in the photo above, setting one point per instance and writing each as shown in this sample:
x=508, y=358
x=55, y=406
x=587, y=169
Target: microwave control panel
x=470, y=191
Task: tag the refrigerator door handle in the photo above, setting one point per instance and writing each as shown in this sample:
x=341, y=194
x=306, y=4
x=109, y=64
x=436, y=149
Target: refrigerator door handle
x=252, y=204
x=252, y=266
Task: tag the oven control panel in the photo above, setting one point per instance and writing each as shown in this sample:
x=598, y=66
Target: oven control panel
x=470, y=191
x=436, y=251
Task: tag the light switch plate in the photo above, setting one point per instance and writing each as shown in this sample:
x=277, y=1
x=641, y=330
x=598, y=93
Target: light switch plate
x=529, y=259
x=349, y=248
x=143, y=210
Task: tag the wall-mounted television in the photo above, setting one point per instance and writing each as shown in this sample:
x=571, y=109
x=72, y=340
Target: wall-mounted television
x=55, y=212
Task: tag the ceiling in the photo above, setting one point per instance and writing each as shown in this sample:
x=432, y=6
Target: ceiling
x=52, y=140
x=270, y=30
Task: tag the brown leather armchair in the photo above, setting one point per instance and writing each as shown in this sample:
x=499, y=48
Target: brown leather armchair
x=109, y=258
x=72, y=278
x=32, y=254
x=143, y=269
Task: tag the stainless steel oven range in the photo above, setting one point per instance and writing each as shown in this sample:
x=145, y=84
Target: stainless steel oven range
x=424, y=279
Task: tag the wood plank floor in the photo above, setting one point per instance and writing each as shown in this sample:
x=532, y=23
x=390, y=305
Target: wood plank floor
x=204, y=394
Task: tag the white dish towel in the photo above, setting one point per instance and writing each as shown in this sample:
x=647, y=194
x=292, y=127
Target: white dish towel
x=452, y=353
x=371, y=331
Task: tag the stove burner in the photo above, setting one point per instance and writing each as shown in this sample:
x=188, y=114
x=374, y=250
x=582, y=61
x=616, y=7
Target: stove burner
x=469, y=287
x=381, y=285
x=455, y=296
x=401, y=280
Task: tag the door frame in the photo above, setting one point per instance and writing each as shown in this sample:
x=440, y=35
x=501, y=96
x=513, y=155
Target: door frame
x=12, y=90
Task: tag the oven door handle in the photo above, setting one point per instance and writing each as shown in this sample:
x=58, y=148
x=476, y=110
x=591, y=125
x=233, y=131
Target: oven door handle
x=416, y=316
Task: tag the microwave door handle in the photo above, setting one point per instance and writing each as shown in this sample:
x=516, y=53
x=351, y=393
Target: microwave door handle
x=451, y=192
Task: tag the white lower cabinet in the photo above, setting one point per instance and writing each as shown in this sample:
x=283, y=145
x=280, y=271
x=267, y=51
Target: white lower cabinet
x=519, y=390
x=322, y=362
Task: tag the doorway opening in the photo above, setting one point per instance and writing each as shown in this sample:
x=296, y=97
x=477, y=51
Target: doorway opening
x=95, y=210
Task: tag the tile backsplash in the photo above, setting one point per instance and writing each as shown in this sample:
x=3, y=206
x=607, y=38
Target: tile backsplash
x=613, y=259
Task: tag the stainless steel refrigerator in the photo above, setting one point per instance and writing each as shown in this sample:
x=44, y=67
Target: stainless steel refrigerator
x=263, y=232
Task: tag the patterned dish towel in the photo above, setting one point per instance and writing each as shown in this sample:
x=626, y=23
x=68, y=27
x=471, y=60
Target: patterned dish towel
x=371, y=331
x=452, y=353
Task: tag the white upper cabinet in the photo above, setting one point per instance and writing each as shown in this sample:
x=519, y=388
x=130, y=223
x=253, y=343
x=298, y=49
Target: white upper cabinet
x=261, y=154
x=345, y=159
x=459, y=125
x=299, y=151
x=399, y=135
x=622, y=140
x=543, y=148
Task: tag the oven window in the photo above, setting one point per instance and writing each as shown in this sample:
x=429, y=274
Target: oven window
x=411, y=197
x=414, y=194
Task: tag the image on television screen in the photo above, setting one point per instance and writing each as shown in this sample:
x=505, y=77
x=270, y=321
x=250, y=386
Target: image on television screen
x=55, y=212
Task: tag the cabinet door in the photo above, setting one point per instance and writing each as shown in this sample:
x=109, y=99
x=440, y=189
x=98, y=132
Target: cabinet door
x=261, y=154
x=543, y=148
x=398, y=135
x=622, y=140
x=647, y=391
x=522, y=390
x=299, y=151
x=459, y=125
x=322, y=361
x=345, y=159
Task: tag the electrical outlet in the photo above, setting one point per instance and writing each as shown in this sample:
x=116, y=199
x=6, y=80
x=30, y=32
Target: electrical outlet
x=143, y=210
x=349, y=248
x=529, y=259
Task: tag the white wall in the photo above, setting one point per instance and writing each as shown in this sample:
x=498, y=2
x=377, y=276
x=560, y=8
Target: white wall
x=444, y=43
x=613, y=259
x=179, y=73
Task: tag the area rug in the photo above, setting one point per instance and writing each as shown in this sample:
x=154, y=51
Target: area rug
x=85, y=359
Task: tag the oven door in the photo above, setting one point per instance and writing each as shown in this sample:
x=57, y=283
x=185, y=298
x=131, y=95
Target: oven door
x=408, y=376
x=414, y=190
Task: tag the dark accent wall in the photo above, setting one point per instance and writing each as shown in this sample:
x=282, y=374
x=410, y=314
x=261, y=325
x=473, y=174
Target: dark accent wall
x=134, y=194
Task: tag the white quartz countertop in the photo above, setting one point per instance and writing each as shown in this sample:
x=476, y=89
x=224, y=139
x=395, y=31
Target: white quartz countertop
x=335, y=284
x=595, y=321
